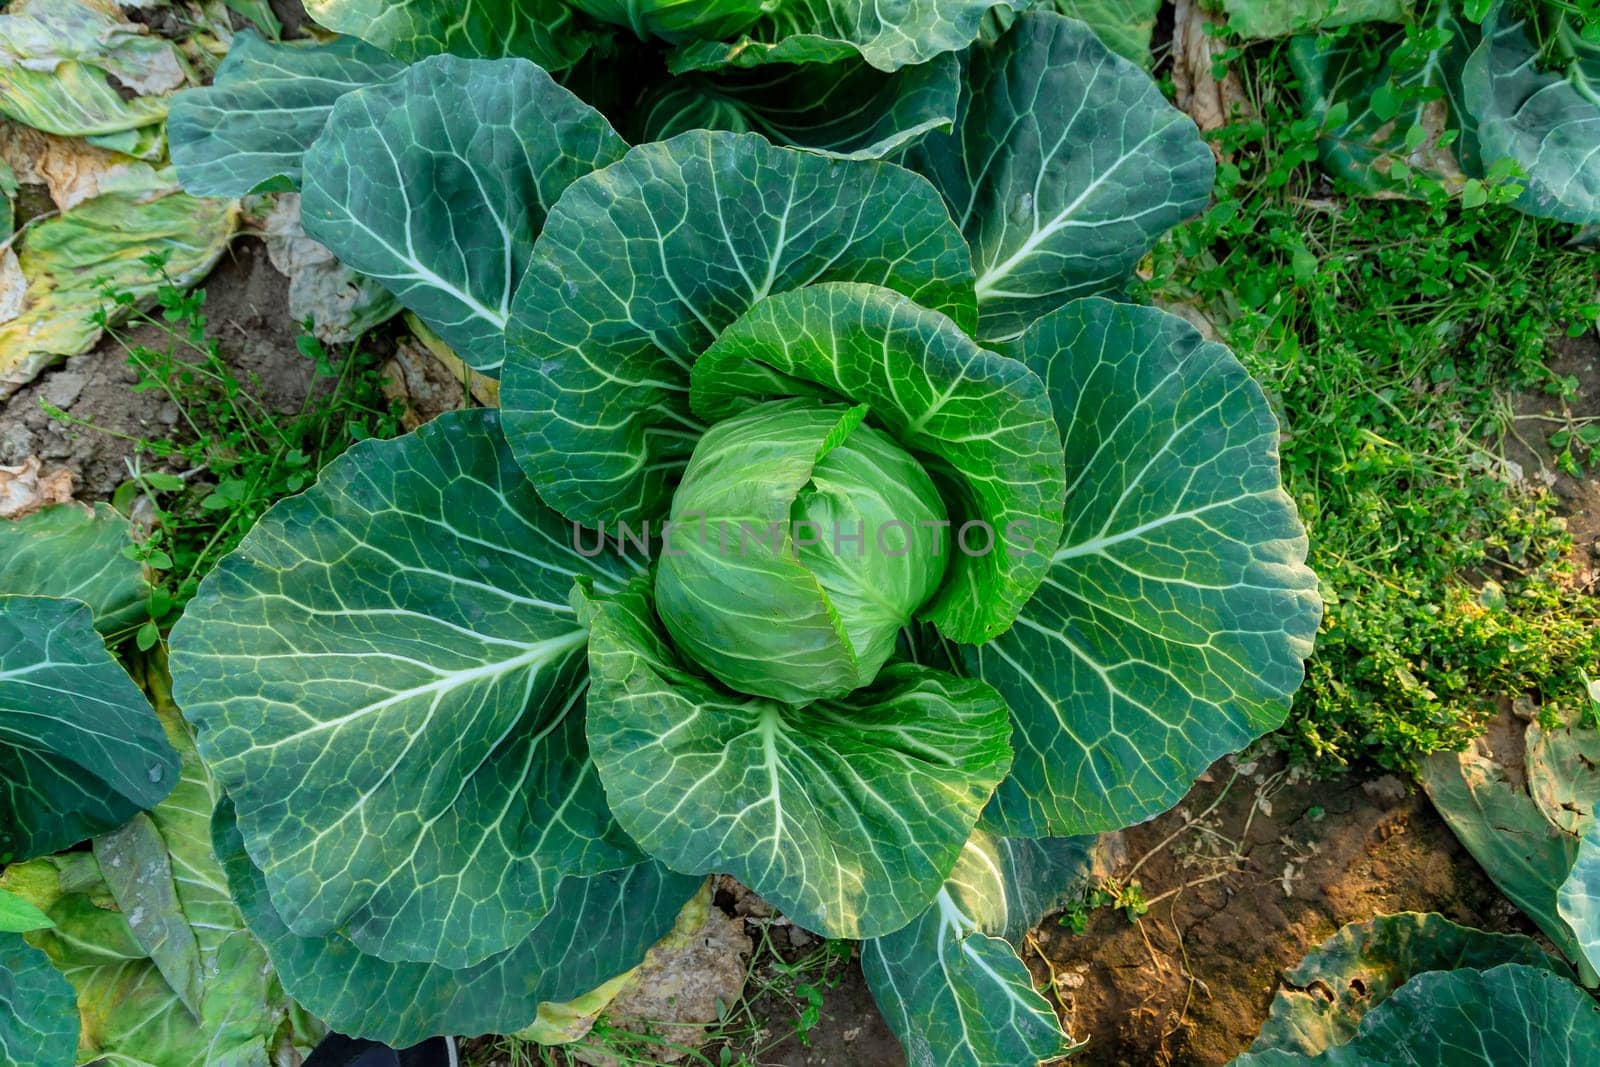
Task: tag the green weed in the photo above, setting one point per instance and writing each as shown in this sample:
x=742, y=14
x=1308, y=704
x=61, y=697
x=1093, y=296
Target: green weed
x=236, y=455
x=1126, y=897
x=1392, y=336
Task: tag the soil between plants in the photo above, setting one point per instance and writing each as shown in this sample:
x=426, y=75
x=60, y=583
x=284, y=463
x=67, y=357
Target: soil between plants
x=1577, y=358
x=247, y=305
x=1190, y=983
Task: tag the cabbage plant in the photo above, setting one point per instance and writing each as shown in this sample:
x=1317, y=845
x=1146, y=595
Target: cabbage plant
x=834, y=531
x=1470, y=87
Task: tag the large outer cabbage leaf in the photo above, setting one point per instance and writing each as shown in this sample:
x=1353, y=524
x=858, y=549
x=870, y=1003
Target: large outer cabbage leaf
x=80, y=749
x=845, y=814
x=1359, y=967
x=1528, y=857
x=38, y=1022
x=1511, y=1014
x=1546, y=120
x=1064, y=167
x=641, y=265
x=1578, y=899
x=435, y=184
x=950, y=985
x=888, y=34
x=847, y=108
x=984, y=421
x=249, y=129
x=70, y=550
x=596, y=929
x=387, y=680
x=540, y=30
x=165, y=973
x=1177, y=613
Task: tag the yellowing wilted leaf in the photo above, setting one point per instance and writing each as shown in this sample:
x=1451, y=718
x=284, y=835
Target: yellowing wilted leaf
x=71, y=261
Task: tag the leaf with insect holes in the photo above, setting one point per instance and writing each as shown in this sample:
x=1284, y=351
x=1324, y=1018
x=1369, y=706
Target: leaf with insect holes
x=1512, y=1013
x=1364, y=963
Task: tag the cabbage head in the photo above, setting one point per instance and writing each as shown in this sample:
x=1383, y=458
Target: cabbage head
x=802, y=542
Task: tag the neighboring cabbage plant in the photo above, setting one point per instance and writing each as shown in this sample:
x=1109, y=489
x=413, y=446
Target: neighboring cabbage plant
x=129, y=951
x=80, y=749
x=1418, y=989
x=1533, y=829
x=834, y=532
x=1468, y=91
x=839, y=76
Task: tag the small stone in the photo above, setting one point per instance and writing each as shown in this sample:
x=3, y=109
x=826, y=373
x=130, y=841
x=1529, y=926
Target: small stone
x=16, y=442
x=62, y=389
x=1387, y=788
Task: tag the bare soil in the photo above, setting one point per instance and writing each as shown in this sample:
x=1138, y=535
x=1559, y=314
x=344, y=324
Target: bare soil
x=1242, y=895
x=1537, y=416
x=247, y=305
